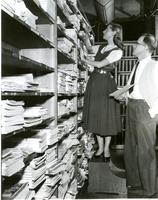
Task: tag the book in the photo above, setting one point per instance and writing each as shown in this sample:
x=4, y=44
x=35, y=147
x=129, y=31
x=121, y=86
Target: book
x=121, y=91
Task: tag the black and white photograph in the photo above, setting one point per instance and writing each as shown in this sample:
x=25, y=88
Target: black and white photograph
x=79, y=99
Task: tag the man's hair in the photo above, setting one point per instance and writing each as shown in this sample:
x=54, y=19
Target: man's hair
x=150, y=41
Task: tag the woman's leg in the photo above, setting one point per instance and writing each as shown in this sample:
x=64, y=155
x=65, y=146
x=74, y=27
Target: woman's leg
x=100, y=145
x=107, y=146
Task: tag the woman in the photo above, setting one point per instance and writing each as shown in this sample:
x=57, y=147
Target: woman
x=101, y=114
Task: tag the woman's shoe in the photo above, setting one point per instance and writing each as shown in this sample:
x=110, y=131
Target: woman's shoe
x=98, y=155
x=106, y=159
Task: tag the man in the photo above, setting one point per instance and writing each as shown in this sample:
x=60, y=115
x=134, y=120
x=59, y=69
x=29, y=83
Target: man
x=142, y=111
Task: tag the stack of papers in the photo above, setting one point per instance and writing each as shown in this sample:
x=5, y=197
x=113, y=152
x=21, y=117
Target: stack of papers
x=34, y=174
x=79, y=116
x=66, y=127
x=52, y=135
x=19, y=192
x=19, y=83
x=75, y=21
x=63, y=108
x=24, y=14
x=48, y=188
x=12, y=115
x=67, y=81
x=8, y=5
x=12, y=161
x=72, y=191
x=72, y=34
x=56, y=168
x=81, y=86
x=80, y=102
x=64, y=7
x=63, y=187
x=65, y=44
x=51, y=156
x=61, y=82
x=35, y=143
x=66, y=145
x=35, y=115
x=61, y=24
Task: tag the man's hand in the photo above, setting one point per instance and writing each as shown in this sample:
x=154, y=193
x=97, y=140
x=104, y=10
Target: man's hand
x=122, y=97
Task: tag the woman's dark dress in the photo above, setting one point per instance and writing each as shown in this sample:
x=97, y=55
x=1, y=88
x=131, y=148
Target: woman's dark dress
x=101, y=113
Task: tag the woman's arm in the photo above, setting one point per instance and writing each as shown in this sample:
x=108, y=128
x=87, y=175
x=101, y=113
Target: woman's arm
x=111, y=58
x=98, y=64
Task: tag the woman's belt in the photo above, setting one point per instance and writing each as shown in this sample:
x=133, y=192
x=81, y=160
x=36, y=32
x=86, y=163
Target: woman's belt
x=101, y=71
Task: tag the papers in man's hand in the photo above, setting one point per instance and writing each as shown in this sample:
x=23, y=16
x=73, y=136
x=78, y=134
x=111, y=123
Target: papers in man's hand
x=121, y=91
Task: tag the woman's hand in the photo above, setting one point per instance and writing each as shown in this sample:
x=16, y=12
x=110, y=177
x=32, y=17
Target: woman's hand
x=90, y=68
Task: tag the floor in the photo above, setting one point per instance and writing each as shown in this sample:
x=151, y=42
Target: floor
x=92, y=189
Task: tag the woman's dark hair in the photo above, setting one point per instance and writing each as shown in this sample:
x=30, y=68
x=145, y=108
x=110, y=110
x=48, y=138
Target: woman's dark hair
x=150, y=41
x=117, y=36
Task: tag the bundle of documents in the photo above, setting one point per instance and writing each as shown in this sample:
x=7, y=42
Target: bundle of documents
x=61, y=24
x=79, y=116
x=19, y=83
x=35, y=143
x=72, y=34
x=75, y=21
x=19, y=192
x=62, y=107
x=52, y=135
x=65, y=44
x=80, y=102
x=12, y=115
x=24, y=14
x=56, y=168
x=89, y=142
x=66, y=145
x=64, y=183
x=34, y=174
x=51, y=156
x=48, y=188
x=81, y=176
x=8, y=5
x=71, y=85
x=12, y=161
x=73, y=190
x=61, y=82
x=35, y=115
x=82, y=74
x=66, y=127
x=81, y=86
x=65, y=7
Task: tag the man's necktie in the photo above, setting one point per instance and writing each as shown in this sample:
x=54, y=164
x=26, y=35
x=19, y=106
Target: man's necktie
x=133, y=77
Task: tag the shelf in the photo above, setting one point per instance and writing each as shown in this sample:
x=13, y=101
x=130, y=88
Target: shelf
x=42, y=94
x=15, y=62
x=64, y=57
x=44, y=122
x=24, y=36
x=66, y=95
x=5, y=136
x=66, y=115
x=80, y=94
x=64, y=136
x=35, y=7
x=63, y=17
